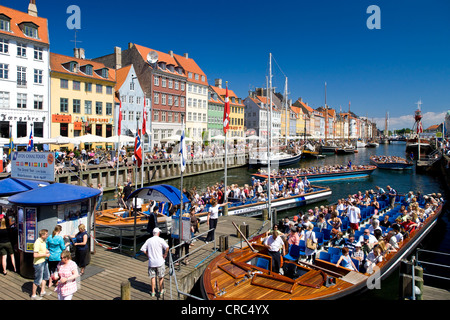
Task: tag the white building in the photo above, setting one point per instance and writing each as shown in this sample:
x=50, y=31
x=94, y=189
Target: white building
x=24, y=73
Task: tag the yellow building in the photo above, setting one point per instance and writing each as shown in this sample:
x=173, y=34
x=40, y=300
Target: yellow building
x=82, y=97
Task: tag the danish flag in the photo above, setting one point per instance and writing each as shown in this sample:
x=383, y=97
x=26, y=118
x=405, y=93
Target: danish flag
x=226, y=112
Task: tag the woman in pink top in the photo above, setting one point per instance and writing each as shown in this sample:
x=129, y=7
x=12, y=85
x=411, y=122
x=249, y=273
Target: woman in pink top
x=67, y=273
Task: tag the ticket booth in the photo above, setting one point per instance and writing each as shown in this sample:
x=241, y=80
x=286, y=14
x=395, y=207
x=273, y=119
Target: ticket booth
x=44, y=208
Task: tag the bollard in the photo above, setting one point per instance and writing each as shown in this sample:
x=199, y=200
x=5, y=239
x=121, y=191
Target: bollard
x=265, y=214
x=125, y=290
x=223, y=243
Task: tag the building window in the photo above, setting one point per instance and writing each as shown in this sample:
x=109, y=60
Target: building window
x=156, y=81
x=76, y=106
x=88, y=70
x=156, y=98
x=196, y=77
x=170, y=83
x=181, y=102
x=98, y=108
x=163, y=99
x=87, y=107
x=99, y=130
x=163, y=82
x=4, y=74
x=132, y=86
x=189, y=87
x=177, y=85
x=4, y=46
x=108, y=131
x=170, y=100
x=182, y=85
x=38, y=53
x=109, y=90
x=156, y=115
x=76, y=85
x=138, y=101
x=64, y=129
x=4, y=99
x=176, y=116
x=38, y=129
x=88, y=87
x=21, y=76
x=189, y=102
x=30, y=31
x=108, y=109
x=38, y=101
x=169, y=117
x=175, y=101
x=22, y=50
x=64, y=84
x=130, y=99
x=163, y=116
x=98, y=88
x=4, y=23
x=38, y=76
x=190, y=75
x=21, y=100
x=105, y=73
x=64, y=105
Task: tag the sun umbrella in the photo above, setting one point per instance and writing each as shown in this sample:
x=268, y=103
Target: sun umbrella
x=219, y=137
x=123, y=139
x=89, y=138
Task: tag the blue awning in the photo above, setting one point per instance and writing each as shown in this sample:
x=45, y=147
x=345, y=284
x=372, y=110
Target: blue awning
x=11, y=186
x=162, y=192
x=54, y=194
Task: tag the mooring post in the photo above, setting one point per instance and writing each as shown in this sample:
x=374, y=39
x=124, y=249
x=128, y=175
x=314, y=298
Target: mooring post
x=125, y=290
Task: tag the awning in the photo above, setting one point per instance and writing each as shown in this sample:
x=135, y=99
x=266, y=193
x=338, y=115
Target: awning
x=54, y=194
x=11, y=186
x=162, y=192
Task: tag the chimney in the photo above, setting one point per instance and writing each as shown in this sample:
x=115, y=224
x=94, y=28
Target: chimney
x=118, y=57
x=218, y=81
x=171, y=53
x=130, y=45
x=78, y=53
x=32, y=9
x=186, y=55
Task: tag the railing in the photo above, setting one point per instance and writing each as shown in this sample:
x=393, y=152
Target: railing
x=432, y=264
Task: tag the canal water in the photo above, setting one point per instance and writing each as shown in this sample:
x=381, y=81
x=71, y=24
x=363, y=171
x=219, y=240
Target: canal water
x=401, y=180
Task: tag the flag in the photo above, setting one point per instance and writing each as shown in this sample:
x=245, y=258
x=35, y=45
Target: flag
x=419, y=127
x=182, y=152
x=144, y=119
x=30, y=142
x=119, y=125
x=11, y=145
x=226, y=112
x=138, y=149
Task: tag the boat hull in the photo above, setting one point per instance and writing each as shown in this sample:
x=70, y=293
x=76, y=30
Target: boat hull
x=351, y=174
x=393, y=165
x=257, y=208
x=275, y=162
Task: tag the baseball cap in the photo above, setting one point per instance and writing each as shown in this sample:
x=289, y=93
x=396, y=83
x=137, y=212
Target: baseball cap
x=156, y=230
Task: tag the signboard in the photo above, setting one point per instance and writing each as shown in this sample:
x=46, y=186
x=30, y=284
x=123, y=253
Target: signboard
x=61, y=118
x=70, y=216
x=27, y=228
x=33, y=165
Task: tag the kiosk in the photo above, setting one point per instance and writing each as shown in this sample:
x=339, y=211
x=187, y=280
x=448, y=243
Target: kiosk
x=44, y=208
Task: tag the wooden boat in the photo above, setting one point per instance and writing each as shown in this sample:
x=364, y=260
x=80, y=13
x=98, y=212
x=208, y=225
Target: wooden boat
x=372, y=144
x=358, y=172
x=254, y=207
x=120, y=222
x=345, y=150
x=328, y=149
x=245, y=274
x=393, y=163
x=280, y=159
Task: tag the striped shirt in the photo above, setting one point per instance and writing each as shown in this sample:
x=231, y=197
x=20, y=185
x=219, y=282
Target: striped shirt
x=65, y=270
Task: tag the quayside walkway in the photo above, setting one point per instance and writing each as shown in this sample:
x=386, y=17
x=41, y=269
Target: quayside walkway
x=109, y=269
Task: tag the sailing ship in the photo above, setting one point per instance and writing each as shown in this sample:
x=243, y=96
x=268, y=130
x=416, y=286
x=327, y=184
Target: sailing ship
x=246, y=273
x=414, y=144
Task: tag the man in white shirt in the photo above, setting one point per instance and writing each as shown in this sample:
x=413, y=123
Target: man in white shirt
x=154, y=248
x=275, y=243
x=354, y=216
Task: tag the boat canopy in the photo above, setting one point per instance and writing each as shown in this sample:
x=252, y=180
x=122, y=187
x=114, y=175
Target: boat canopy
x=11, y=186
x=159, y=193
x=54, y=194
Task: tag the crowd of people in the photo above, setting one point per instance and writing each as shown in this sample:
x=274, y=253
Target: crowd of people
x=367, y=244
x=313, y=170
x=389, y=159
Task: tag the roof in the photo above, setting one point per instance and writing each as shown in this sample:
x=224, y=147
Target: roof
x=221, y=92
x=162, y=192
x=121, y=75
x=189, y=65
x=18, y=17
x=11, y=186
x=54, y=194
x=162, y=57
x=57, y=62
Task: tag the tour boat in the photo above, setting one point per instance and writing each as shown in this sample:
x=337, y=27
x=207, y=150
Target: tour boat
x=246, y=273
x=393, y=163
x=323, y=175
x=280, y=159
x=255, y=207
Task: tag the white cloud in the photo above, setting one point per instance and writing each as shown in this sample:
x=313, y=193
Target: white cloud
x=407, y=121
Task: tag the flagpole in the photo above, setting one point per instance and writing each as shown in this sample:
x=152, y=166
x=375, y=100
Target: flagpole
x=226, y=107
x=182, y=155
x=144, y=124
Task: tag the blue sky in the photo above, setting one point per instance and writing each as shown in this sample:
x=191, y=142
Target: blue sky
x=313, y=42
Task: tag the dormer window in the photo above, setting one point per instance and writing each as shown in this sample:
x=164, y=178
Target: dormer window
x=190, y=75
x=73, y=66
x=162, y=65
x=87, y=69
x=105, y=73
x=171, y=68
x=203, y=78
x=179, y=70
x=5, y=23
x=30, y=29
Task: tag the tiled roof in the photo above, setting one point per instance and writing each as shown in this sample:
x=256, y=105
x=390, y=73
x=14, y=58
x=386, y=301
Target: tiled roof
x=222, y=91
x=57, y=62
x=189, y=65
x=162, y=57
x=121, y=76
x=18, y=17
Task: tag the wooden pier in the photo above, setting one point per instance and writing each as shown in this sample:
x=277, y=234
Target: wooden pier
x=109, y=269
x=155, y=171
